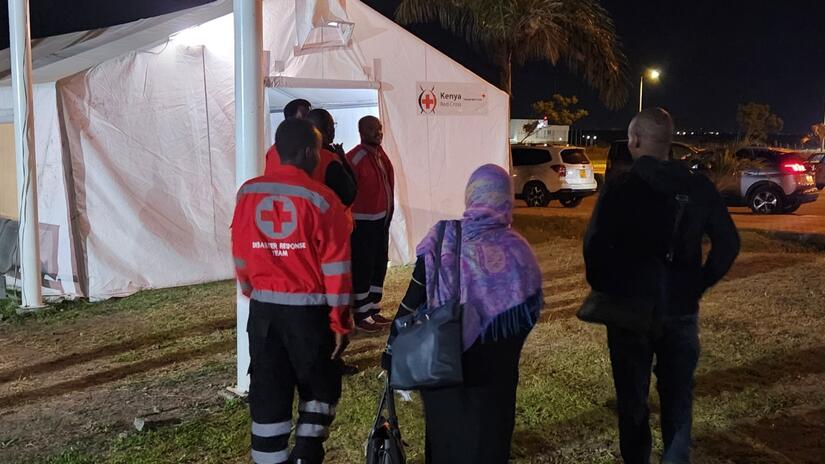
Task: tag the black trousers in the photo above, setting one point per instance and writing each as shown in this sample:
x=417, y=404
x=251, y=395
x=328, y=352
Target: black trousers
x=631, y=355
x=473, y=423
x=370, y=254
x=290, y=347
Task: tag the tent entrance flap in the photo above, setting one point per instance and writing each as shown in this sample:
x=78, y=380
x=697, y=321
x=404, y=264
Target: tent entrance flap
x=346, y=104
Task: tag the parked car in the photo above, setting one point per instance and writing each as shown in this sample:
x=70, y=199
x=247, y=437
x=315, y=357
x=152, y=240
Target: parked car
x=816, y=164
x=619, y=158
x=545, y=173
x=775, y=181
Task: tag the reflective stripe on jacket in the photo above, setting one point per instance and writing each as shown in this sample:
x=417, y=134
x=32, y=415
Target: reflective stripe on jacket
x=375, y=177
x=290, y=241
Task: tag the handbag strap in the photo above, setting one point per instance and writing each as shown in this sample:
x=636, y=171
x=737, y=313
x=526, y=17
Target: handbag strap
x=387, y=400
x=683, y=200
x=439, y=244
x=381, y=403
x=458, y=258
x=389, y=397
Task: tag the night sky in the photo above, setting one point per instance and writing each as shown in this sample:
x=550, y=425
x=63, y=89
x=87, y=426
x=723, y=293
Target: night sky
x=714, y=54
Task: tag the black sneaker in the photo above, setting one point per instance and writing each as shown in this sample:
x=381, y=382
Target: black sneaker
x=381, y=320
x=368, y=325
x=348, y=370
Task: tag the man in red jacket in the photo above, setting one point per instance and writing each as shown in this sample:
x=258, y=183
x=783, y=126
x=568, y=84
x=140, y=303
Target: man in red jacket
x=372, y=211
x=290, y=240
x=299, y=109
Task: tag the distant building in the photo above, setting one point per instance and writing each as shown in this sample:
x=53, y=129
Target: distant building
x=543, y=134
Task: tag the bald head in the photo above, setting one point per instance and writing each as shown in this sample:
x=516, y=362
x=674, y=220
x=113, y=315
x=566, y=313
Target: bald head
x=650, y=134
x=372, y=133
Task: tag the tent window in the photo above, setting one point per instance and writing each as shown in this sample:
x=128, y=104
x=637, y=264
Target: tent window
x=8, y=173
x=322, y=25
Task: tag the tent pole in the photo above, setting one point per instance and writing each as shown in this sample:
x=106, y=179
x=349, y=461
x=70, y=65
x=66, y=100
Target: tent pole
x=21, y=78
x=249, y=135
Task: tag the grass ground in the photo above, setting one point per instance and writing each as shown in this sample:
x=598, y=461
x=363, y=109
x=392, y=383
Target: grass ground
x=71, y=379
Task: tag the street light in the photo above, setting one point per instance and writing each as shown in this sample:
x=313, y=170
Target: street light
x=653, y=75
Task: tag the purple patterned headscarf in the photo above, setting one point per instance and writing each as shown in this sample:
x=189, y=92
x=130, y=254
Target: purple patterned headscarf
x=499, y=271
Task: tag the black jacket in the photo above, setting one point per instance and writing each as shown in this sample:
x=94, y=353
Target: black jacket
x=632, y=231
x=340, y=178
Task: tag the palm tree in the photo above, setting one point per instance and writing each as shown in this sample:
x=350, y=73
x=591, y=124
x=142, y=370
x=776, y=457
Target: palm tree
x=578, y=33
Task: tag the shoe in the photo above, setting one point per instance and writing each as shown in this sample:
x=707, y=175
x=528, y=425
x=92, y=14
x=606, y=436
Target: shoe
x=368, y=325
x=348, y=370
x=381, y=320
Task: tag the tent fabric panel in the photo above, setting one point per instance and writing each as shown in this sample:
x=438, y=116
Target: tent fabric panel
x=54, y=58
x=57, y=252
x=434, y=155
x=139, y=142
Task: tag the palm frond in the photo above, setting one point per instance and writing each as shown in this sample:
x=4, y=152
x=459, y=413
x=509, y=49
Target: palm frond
x=455, y=16
x=581, y=34
x=578, y=33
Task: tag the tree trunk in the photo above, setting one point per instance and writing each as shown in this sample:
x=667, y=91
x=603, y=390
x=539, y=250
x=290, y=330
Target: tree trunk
x=505, y=65
x=507, y=78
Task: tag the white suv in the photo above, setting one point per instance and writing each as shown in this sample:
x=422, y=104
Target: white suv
x=545, y=173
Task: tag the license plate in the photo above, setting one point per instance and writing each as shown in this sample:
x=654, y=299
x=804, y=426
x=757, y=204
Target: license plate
x=582, y=173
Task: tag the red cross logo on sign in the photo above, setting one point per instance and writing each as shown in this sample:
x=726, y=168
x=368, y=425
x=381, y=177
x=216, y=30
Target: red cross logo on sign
x=427, y=100
x=276, y=217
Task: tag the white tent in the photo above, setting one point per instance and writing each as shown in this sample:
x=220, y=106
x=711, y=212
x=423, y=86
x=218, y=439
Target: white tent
x=135, y=133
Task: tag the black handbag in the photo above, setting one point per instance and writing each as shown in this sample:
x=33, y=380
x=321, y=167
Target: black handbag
x=634, y=313
x=427, y=351
x=630, y=313
x=384, y=445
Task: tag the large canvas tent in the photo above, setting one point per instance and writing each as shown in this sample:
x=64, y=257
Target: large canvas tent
x=135, y=134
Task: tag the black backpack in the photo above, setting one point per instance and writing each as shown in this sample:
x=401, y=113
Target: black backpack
x=384, y=445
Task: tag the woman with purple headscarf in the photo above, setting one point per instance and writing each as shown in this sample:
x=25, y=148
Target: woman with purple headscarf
x=501, y=298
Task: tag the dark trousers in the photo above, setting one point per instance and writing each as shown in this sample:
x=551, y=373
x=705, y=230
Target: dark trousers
x=631, y=355
x=290, y=347
x=370, y=254
x=473, y=423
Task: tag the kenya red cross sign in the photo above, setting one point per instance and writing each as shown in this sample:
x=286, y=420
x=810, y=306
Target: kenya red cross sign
x=427, y=100
x=451, y=98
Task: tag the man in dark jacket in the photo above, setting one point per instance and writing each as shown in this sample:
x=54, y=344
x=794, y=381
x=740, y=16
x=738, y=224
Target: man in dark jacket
x=333, y=169
x=643, y=248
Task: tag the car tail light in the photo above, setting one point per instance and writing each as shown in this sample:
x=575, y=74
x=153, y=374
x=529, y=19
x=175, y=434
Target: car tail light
x=560, y=169
x=794, y=167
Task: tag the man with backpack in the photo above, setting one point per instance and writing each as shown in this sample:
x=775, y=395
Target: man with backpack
x=643, y=255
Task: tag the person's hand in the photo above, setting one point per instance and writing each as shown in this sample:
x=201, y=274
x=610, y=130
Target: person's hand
x=341, y=342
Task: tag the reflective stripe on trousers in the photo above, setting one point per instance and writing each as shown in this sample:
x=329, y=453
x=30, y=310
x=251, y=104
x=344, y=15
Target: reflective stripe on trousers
x=312, y=431
x=272, y=430
x=270, y=457
x=317, y=407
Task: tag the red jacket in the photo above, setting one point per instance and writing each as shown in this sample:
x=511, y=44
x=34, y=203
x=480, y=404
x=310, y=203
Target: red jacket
x=376, y=180
x=290, y=240
x=325, y=158
x=272, y=161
